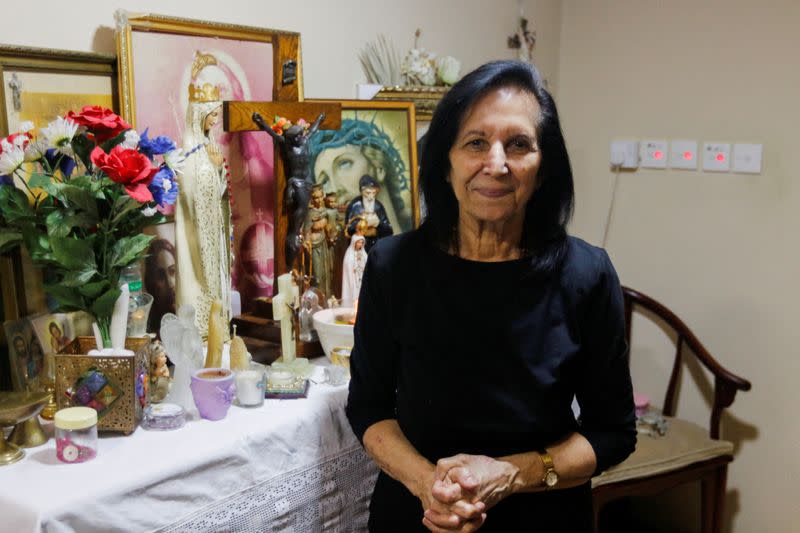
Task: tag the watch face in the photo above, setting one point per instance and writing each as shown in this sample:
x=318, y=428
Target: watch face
x=551, y=478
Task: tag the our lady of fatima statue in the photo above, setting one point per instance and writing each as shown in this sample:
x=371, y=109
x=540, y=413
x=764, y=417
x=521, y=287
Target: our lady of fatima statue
x=203, y=214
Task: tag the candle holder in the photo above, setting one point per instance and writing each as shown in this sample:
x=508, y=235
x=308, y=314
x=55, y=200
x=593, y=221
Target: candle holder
x=334, y=328
x=15, y=408
x=250, y=385
x=138, y=311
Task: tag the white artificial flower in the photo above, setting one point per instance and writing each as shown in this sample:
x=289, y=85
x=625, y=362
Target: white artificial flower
x=447, y=68
x=131, y=140
x=20, y=141
x=418, y=67
x=10, y=160
x=35, y=150
x=175, y=160
x=26, y=126
x=59, y=134
x=149, y=211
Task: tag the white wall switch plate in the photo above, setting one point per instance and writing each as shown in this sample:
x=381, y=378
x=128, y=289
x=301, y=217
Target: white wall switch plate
x=654, y=153
x=747, y=158
x=625, y=154
x=716, y=157
x=683, y=155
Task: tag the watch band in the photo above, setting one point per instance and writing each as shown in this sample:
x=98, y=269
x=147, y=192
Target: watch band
x=550, y=476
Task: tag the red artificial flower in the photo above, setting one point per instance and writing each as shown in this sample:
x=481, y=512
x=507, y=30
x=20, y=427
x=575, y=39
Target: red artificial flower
x=128, y=167
x=103, y=123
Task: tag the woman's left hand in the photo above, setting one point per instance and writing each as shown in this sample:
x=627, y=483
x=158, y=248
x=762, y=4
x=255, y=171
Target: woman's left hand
x=481, y=478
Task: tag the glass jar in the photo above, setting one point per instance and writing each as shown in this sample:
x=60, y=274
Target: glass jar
x=76, y=434
x=250, y=385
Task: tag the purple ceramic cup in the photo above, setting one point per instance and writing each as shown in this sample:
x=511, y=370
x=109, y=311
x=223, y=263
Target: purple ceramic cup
x=213, y=390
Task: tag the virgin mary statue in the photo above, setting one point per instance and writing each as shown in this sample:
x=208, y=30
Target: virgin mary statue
x=203, y=215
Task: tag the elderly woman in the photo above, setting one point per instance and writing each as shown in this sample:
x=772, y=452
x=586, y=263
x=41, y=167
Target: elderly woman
x=476, y=331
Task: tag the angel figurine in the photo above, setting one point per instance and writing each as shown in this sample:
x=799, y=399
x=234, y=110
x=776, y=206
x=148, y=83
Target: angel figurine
x=182, y=340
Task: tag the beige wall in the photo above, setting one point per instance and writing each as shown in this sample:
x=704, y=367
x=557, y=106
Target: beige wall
x=719, y=249
x=475, y=31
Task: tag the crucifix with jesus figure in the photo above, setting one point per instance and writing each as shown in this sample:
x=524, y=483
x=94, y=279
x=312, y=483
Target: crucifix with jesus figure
x=293, y=178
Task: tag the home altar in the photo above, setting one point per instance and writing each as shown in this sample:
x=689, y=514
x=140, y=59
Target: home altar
x=289, y=465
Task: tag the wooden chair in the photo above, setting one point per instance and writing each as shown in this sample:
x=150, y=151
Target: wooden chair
x=687, y=452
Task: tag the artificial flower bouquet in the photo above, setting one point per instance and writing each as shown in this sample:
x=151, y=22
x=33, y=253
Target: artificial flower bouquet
x=77, y=196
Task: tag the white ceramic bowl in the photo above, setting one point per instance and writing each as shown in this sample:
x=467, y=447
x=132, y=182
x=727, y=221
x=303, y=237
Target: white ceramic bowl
x=330, y=333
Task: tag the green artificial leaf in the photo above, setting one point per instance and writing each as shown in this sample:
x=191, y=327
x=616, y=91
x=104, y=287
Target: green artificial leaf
x=38, y=179
x=103, y=306
x=55, y=224
x=94, y=289
x=60, y=223
x=80, y=198
x=14, y=205
x=83, y=147
x=84, y=182
x=68, y=297
x=73, y=254
x=37, y=244
x=77, y=278
x=123, y=205
x=111, y=143
x=128, y=249
x=9, y=239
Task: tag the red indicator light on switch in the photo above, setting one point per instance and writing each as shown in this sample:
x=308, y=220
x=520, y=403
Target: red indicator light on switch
x=720, y=157
x=658, y=154
x=687, y=155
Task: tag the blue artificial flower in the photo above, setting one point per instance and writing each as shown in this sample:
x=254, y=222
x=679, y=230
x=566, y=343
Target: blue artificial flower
x=6, y=180
x=59, y=161
x=164, y=186
x=153, y=147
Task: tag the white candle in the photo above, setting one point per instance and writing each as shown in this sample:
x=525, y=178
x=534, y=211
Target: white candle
x=250, y=387
x=280, y=378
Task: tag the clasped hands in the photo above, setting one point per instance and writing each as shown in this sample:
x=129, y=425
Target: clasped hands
x=460, y=490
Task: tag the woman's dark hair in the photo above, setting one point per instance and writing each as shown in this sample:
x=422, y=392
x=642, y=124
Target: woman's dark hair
x=544, y=236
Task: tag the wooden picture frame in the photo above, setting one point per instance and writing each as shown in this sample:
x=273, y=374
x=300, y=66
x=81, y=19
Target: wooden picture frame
x=28, y=78
x=156, y=55
x=378, y=139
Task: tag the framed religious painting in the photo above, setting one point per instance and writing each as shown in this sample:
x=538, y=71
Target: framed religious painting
x=365, y=188
x=174, y=75
x=37, y=85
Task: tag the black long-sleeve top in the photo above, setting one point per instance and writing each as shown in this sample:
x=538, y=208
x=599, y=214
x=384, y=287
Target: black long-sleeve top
x=482, y=358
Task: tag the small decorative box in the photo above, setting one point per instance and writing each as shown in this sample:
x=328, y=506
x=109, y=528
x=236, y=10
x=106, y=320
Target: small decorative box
x=114, y=385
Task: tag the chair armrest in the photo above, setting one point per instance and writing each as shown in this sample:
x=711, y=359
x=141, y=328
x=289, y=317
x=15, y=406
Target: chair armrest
x=726, y=383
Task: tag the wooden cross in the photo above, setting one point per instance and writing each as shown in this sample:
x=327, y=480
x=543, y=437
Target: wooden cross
x=238, y=116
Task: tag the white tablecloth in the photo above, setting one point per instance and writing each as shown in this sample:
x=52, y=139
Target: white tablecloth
x=291, y=465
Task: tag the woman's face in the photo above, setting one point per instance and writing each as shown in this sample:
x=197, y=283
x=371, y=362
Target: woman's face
x=495, y=157
x=211, y=119
x=339, y=170
x=165, y=273
x=359, y=244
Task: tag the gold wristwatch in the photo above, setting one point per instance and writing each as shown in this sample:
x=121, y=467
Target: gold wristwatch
x=550, y=477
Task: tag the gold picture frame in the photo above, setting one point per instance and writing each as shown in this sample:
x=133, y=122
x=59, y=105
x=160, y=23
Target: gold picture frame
x=78, y=76
x=157, y=57
x=425, y=98
x=377, y=139
x=286, y=48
